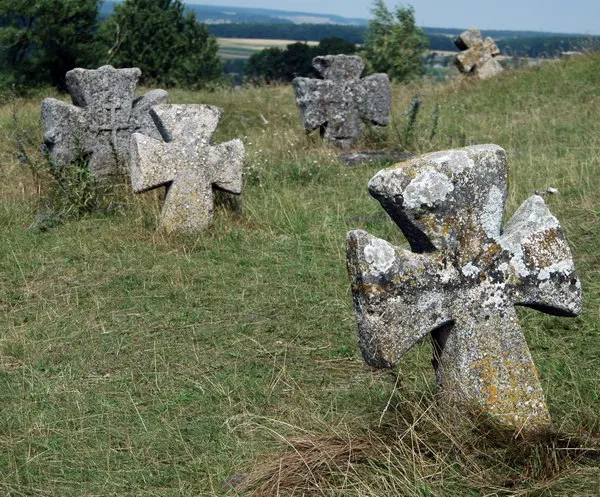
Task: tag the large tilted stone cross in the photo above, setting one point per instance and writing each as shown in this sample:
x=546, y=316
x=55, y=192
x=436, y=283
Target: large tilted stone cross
x=478, y=55
x=462, y=280
x=187, y=163
x=101, y=121
x=337, y=104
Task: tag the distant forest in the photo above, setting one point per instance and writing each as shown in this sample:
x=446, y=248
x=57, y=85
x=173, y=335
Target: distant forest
x=514, y=43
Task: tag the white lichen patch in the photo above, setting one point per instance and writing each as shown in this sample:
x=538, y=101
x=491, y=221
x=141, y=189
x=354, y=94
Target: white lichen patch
x=446, y=274
x=456, y=160
x=431, y=302
x=492, y=212
x=429, y=189
x=380, y=255
x=531, y=218
x=563, y=267
x=469, y=270
x=388, y=181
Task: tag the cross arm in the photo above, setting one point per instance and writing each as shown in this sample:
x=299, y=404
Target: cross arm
x=312, y=99
x=141, y=119
x=374, y=98
x=151, y=163
x=398, y=302
x=62, y=122
x=541, y=268
x=225, y=163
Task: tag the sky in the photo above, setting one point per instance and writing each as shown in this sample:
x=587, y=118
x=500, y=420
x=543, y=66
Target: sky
x=561, y=16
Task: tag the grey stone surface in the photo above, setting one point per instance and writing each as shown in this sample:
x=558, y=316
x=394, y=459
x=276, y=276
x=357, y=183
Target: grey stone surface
x=338, y=104
x=468, y=39
x=477, y=56
x=185, y=161
x=462, y=280
x=101, y=120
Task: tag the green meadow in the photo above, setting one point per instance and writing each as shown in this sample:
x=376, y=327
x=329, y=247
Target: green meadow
x=138, y=364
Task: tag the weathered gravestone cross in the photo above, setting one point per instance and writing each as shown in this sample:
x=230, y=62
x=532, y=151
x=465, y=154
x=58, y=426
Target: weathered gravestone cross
x=478, y=55
x=337, y=104
x=101, y=120
x=187, y=163
x=462, y=279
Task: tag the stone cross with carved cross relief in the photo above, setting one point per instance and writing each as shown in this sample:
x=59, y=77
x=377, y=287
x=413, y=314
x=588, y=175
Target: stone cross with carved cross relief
x=187, y=163
x=462, y=280
x=101, y=120
x=337, y=104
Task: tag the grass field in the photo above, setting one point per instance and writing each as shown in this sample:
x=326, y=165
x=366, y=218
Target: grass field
x=242, y=48
x=136, y=364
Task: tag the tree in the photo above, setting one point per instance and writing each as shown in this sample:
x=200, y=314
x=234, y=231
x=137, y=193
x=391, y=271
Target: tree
x=170, y=46
x=266, y=64
x=335, y=46
x=273, y=64
x=41, y=40
x=393, y=43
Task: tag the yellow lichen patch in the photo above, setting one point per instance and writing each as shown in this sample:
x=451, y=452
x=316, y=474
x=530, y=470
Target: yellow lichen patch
x=374, y=290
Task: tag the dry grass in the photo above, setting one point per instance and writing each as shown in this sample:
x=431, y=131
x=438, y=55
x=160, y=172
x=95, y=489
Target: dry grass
x=424, y=449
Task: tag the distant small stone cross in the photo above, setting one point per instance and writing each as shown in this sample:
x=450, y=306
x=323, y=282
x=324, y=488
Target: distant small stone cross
x=337, y=104
x=187, y=163
x=462, y=280
x=478, y=54
x=102, y=119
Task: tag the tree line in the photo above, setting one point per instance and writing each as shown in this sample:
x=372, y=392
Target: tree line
x=514, y=43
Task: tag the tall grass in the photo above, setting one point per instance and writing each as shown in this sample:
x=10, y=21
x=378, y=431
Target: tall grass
x=136, y=364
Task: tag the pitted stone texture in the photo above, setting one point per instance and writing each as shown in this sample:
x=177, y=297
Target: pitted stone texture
x=338, y=104
x=478, y=55
x=102, y=119
x=187, y=163
x=462, y=279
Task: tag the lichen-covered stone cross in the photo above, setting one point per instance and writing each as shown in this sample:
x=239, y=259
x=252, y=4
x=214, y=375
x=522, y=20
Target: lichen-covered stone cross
x=478, y=55
x=101, y=120
x=337, y=104
x=462, y=279
x=187, y=164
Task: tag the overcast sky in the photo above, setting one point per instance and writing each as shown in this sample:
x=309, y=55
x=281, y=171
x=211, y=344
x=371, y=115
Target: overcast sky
x=565, y=16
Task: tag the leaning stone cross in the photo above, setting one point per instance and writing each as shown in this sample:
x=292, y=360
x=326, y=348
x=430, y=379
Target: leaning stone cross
x=478, y=54
x=462, y=279
x=337, y=104
x=101, y=120
x=187, y=163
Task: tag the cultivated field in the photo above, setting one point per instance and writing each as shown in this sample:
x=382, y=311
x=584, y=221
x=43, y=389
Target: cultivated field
x=136, y=364
x=242, y=48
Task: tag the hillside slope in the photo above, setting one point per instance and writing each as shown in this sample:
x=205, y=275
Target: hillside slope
x=132, y=363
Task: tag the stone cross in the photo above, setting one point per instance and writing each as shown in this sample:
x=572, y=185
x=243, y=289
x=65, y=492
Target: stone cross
x=101, y=120
x=477, y=56
x=187, y=163
x=462, y=280
x=337, y=104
